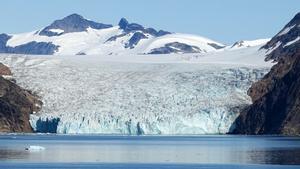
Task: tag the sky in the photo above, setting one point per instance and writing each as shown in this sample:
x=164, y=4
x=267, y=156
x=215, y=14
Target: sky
x=225, y=21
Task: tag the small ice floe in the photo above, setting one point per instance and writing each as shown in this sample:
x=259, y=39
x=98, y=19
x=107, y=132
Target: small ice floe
x=35, y=148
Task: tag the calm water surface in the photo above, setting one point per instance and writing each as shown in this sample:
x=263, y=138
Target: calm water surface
x=151, y=152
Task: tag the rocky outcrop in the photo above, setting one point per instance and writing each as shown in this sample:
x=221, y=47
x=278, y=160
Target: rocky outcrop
x=131, y=27
x=175, y=47
x=276, y=98
x=134, y=40
x=4, y=70
x=16, y=104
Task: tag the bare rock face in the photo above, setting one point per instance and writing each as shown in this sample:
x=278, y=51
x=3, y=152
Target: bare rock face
x=276, y=98
x=278, y=46
x=4, y=70
x=16, y=104
x=276, y=106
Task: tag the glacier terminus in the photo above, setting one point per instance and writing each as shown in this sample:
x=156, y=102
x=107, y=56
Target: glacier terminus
x=138, y=94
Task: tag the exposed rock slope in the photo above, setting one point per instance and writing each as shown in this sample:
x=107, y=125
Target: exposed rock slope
x=276, y=98
x=15, y=105
x=4, y=70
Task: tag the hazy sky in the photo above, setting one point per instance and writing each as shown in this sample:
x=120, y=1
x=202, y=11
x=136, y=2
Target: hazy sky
x=225, y=21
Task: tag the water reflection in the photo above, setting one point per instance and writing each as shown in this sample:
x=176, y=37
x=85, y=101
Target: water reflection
x=9, y=154
x=152, y=149
x=280, y=156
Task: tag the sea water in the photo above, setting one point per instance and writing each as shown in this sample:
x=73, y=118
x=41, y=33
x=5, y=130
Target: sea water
x=151, y=152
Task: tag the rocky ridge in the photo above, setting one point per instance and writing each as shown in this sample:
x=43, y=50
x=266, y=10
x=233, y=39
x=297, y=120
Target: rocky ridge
x=16, y=104
x=276, y=98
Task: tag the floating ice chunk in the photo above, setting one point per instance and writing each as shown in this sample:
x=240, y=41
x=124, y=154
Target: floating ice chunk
x=35, y=148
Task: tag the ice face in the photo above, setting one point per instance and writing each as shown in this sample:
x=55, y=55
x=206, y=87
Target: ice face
x=134, y=98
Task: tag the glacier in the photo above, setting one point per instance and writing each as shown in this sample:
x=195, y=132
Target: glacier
x=139, y=94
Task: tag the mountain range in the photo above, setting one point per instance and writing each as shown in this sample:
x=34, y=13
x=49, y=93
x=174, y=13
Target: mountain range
x=121, y=90
x=75, y=35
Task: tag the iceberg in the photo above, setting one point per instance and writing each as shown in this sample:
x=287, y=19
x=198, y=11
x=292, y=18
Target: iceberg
x=34, y=148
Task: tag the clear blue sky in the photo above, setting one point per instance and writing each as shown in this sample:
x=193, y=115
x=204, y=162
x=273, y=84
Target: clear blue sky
x=222, y=20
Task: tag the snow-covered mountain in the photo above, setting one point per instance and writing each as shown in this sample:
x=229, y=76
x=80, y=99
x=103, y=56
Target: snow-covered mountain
x=280, y=44
x=75, y=35
x=248, y=43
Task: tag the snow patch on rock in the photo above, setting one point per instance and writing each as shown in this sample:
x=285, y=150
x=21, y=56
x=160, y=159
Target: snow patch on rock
x=292, y=42
x=57, y=30
x=286, y=30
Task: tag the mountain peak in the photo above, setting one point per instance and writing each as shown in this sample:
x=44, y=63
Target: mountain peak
x=123, y=23
x=295, y=21
x=288, y=37
x=74, y=16
x=296, y=18
x=71, y=23
x=131, y=27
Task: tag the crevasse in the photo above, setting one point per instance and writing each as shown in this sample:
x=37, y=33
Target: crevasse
x=134, y=98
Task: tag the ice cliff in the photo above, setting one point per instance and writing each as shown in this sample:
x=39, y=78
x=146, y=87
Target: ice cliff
x=176, y=94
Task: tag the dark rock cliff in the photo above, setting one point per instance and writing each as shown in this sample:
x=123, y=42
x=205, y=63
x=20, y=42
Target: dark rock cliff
x=276, y=98
x=16, y=104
